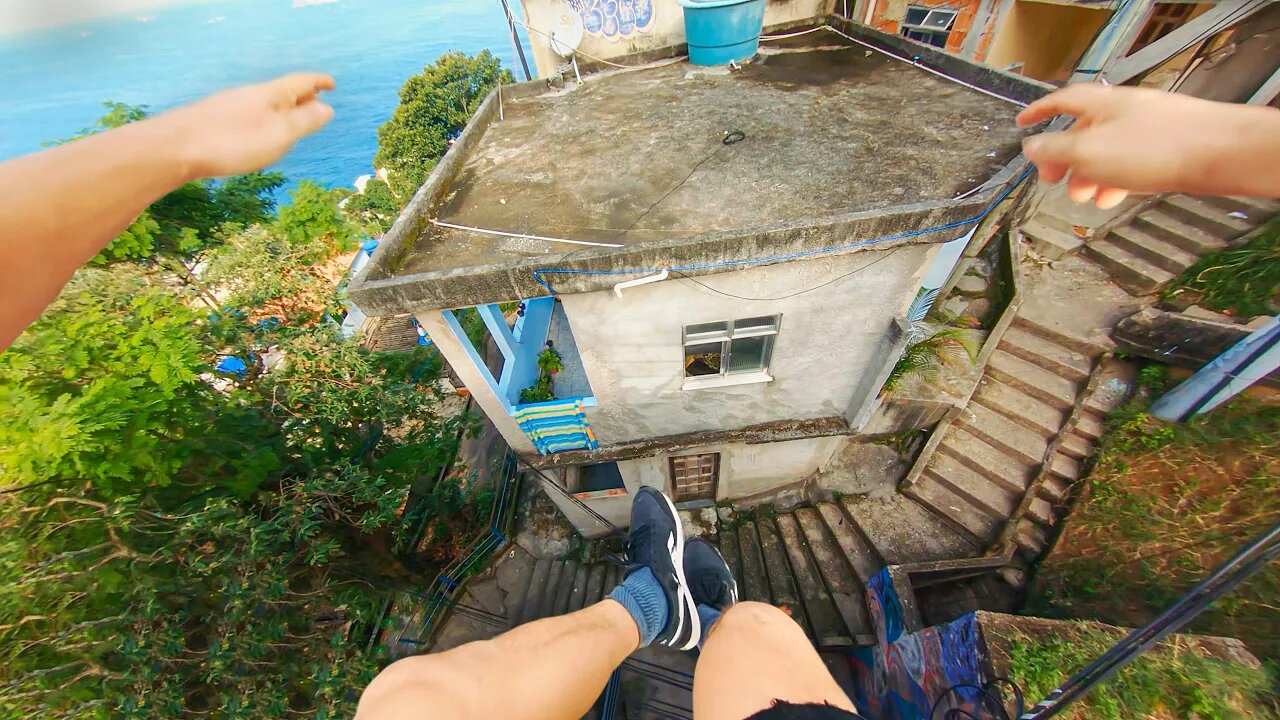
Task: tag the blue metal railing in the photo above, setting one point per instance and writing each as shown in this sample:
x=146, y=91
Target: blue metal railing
x=443, y=593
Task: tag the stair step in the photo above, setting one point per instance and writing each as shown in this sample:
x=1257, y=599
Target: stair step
x=1154, y=250
x=568, y=579
x=1054, y=489
x=862, y=557
x=547, y=601
x=1041, y=511
x=1019, y=407
x=903, y=532
x=1031, y=539
x=828, y=626
x=1048, y=240
x=1032, y=379
x=781, y=583
x=846, y=590
x=578, y=595
x=1048, y=329
x=1075, y=447
x=1023, y=445
x=993, y=499
x=1205, y=216
x=595, y=584
x=535, y=591
x=1129, y=271
x=732, y=553
x=612, y=578
x=1089, y=426
x=1185, y=236
x=1065, y=361
x=1064, y=467
x=963, y=517
x=755, y=583
x=985, y=460
x=1256, y=208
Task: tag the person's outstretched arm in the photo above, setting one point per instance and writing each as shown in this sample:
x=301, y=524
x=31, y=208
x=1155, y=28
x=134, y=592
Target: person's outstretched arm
x=60, y=207
x=1141, y=140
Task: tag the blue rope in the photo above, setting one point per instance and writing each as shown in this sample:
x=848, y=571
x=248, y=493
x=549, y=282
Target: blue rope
x=537, y=274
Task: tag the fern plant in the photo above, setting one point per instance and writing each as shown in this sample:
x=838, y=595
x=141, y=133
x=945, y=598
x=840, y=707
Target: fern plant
x=931, y=348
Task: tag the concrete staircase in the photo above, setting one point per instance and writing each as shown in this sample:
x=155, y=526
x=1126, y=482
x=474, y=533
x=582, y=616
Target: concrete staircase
x=812, y=561
x=1161, y=241
x=986, y=470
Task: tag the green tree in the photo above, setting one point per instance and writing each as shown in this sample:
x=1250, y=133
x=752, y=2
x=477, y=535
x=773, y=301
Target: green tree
x=312, y=222
x=434, y=107
x=376, y=208
x=217, y=561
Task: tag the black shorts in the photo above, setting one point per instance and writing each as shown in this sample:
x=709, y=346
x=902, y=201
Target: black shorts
x=788, y=711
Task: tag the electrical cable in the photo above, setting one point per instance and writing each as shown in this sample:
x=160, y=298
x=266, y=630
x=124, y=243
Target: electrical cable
x=916, y=63
x=746, y=262
x=794, y=294
x=737, y=136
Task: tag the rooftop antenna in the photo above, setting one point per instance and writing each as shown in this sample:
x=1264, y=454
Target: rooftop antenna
x=567, y=33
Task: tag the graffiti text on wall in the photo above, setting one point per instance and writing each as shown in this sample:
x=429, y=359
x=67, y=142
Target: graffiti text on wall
x=615, y=19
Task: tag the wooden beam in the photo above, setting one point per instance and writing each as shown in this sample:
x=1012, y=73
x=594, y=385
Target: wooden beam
x=1222, y=16
x=1268, y=91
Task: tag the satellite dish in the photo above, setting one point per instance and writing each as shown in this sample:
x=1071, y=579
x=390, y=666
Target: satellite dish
x=567, y=34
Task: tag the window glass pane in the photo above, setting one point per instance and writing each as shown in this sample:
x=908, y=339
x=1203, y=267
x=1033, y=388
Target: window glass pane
x=938, y=39
x=705, y=330
x=939, y=19
x=749, y=354
x=756, y=324
x=915, y=15
x=702, y=359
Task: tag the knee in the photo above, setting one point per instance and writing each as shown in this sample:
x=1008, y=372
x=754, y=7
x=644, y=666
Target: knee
x=756, y=617
x=415, y=682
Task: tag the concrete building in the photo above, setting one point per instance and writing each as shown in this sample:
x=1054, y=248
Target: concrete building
x=724, y=261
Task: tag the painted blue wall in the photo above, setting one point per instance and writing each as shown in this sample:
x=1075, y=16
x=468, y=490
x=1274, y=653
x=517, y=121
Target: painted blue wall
x=452, y=321
x=521, y=352
x=519, y=346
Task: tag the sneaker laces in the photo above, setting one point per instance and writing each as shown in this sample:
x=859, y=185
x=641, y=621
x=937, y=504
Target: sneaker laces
x=637, y=536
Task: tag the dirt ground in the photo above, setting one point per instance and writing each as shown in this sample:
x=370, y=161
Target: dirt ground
x=1165, y=505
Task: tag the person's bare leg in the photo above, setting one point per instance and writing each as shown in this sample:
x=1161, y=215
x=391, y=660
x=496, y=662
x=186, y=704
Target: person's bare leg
x=755, y=655
x=552, y=669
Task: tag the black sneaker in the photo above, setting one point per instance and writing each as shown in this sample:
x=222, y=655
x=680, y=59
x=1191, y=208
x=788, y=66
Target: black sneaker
x=656, y=541
x=710, y=581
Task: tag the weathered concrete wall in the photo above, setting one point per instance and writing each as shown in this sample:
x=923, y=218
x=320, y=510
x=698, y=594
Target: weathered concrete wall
x=1048, y=39
x=829, y=338
x=744, y=469
x=623, y=27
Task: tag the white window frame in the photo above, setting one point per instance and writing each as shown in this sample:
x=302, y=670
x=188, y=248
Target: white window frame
x=946, y=16
x=733, y=330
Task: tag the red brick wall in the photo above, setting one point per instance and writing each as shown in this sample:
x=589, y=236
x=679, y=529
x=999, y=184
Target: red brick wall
x=888, y=15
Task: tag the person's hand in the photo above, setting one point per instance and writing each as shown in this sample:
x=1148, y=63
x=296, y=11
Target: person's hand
x=1133, y=139
x=248, y=128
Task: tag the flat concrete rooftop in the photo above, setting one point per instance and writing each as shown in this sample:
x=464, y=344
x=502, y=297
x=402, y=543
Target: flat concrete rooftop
x=638, y=156
x=635, y=158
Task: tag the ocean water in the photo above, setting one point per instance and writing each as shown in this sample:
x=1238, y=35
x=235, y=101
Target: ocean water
x=53, y=82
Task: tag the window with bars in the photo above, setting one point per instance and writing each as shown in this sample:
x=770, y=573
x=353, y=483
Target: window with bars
x=694, y=477
x=734, y=347
x=928, y=25
x=1164, y=19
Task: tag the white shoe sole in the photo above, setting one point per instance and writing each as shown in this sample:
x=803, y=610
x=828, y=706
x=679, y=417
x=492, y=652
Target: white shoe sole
x=686, y=598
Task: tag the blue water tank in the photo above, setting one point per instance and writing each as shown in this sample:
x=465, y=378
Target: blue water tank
x=722, y=31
